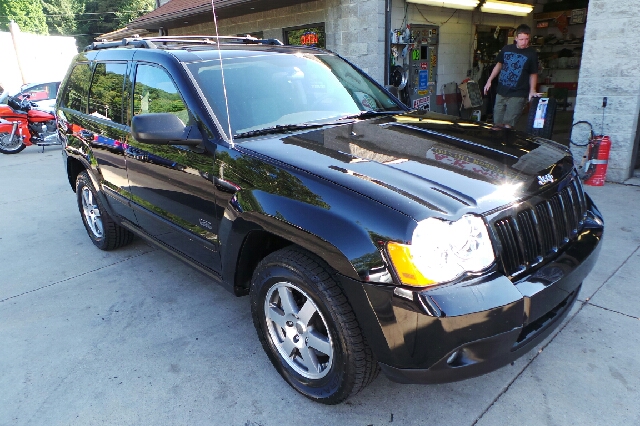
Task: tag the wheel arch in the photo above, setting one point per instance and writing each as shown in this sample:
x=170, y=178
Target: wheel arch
x=348, y=244
x=74, y=168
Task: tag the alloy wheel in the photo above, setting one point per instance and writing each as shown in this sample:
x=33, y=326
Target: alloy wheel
x=298, y=330
x=91, y=212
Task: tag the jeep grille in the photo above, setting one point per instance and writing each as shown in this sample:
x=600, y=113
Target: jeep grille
x=534, y=233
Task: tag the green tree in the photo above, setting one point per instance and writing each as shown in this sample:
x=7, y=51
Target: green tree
x=104, y=16
x=28, y=14
x=132, y=9
x=63, y=15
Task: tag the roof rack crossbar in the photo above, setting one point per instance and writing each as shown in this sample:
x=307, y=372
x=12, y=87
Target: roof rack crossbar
x=154, y=42
x=132, y=42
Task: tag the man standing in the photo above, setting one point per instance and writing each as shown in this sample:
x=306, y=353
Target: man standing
x=518, y=69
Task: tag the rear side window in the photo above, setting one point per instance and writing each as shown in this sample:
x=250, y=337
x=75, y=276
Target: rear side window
x=76, y=92
x=105, y=97
x=154, y=91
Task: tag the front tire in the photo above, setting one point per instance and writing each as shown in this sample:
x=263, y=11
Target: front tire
x=308, y=329
x=11, y=146
x=103, y=231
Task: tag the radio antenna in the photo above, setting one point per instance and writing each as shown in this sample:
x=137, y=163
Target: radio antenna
x=224, y=85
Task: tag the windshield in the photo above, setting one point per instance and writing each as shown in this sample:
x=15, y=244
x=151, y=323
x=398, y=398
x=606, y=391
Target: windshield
x=274, y=90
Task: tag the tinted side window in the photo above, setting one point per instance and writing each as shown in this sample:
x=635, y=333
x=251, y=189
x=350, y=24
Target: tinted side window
x=154, y=91
x=105, y=98
x=75, y=96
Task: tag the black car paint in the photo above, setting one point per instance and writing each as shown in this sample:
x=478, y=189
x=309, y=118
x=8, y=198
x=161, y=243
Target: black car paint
x=343, y=192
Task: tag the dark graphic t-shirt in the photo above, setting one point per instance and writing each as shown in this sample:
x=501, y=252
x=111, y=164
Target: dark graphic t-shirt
x=517, y=65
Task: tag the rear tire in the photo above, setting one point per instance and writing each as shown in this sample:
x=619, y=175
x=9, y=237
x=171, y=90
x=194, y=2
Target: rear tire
x=103, y=231
x=308, y=329
x=13, y=146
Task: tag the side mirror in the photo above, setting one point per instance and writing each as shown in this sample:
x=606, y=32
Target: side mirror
x=164, y=129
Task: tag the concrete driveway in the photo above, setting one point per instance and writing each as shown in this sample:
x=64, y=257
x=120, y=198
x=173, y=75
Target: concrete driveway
x=136, y=337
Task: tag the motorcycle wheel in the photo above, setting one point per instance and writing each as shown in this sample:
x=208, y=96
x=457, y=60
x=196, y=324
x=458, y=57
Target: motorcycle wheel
x=11, y=146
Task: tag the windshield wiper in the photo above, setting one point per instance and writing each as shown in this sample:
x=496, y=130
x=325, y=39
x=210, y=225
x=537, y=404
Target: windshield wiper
x=278, y=128
x=368, y=114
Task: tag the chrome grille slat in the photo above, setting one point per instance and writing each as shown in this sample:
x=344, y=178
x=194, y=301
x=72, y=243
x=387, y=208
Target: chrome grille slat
x=529, y=238
x=534, y=232
x=558, y=220
x=511, y=257
x=571, y=205
x=546, y=230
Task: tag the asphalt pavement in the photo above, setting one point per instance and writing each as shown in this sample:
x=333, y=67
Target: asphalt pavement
x=136, y=337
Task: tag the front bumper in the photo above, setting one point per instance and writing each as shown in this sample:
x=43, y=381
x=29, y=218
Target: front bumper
x=463, y=330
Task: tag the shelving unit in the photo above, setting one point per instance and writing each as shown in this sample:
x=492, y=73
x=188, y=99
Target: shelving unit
x=559, y=52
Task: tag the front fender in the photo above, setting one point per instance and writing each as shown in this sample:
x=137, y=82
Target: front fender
x=345, y=229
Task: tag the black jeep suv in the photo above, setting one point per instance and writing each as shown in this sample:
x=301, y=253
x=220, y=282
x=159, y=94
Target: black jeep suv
x=367, y=236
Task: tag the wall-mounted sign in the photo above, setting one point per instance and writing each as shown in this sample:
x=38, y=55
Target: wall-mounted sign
x=422, y=103
x=309, y=39
x=308, y=35
x=423, y=79
x=578, y=16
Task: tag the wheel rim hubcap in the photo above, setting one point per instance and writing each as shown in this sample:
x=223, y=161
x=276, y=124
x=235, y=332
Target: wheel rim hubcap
x=298, y=330
x=91, y=212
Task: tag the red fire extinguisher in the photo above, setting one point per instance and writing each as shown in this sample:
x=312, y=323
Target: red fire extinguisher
x=596, y=166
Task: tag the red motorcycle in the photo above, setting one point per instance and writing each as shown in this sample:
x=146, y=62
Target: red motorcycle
x=21, y=125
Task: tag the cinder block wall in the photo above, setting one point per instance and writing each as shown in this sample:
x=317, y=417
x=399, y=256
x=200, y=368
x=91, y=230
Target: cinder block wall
x=270, y=22
x=354, y=29
x=611, y=67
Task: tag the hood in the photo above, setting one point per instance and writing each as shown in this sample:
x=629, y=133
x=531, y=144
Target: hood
x=417, y=160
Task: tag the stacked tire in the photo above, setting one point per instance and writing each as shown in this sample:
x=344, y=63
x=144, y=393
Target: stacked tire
x=547, y=129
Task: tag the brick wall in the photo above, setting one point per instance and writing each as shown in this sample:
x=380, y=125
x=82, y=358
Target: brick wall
x=611, y=67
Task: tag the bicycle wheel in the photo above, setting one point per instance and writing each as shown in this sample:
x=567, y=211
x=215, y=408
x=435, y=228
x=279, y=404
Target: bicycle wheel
x=581, y=131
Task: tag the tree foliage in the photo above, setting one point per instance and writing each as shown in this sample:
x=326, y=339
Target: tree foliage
x=83, y=19
x=63, y=15
x=104, y=16
x=28, y=14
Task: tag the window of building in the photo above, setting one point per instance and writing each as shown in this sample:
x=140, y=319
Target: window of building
x=307, y=35
x=105, y=96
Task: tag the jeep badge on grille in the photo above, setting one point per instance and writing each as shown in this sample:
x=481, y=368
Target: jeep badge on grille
x=545, y=179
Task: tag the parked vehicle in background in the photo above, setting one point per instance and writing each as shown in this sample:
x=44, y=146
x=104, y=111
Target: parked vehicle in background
x=21, y=125
x=41, y=95
x=367, y=236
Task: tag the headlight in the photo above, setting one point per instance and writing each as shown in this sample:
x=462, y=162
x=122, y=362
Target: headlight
x=441, y=251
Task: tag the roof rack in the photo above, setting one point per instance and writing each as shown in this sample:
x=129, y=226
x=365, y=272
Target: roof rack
x=179, y=41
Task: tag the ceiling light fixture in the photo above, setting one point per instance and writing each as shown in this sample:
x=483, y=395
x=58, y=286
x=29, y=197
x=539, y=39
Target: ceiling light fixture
x=453, y=4
x=506, y=8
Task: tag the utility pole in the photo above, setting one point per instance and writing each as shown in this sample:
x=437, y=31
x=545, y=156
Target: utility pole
x=14, y=29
